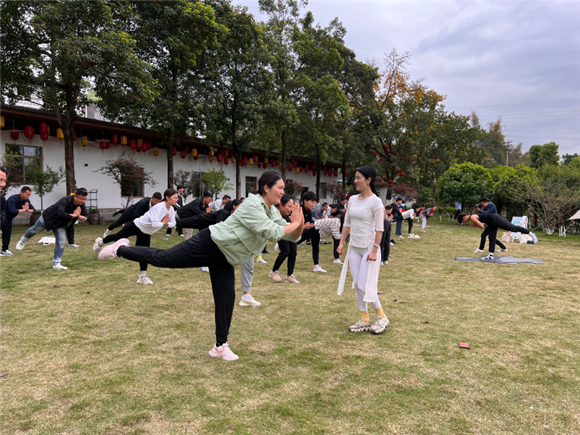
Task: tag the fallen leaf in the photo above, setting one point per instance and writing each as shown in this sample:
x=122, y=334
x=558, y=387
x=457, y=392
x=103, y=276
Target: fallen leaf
x=88, y=293
x=394, y=300
x=426, y=323
x=57, y=286
x=3, y=375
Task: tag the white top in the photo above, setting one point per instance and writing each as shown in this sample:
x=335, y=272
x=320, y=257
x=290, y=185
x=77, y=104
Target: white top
x=216, y=205
x=409, y=214
x=150, y=222
x=364, y=218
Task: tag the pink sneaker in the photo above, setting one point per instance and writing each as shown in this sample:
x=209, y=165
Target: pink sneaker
x=110, y=252
x=223, y=352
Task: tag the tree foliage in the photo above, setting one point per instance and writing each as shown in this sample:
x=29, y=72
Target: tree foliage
x=216, y=181
x=44, y=181
x=543, y=155
x=464, y=183
x=127, y=173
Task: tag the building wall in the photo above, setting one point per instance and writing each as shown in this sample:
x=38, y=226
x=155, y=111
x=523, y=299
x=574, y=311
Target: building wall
x=90, y=158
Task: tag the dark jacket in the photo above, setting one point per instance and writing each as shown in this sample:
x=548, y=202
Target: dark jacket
x=490, y=209
x=307, y=215
x=59, y=214
x=2, y=208
x=194, y=208
x=138, y=209
x=13, y=204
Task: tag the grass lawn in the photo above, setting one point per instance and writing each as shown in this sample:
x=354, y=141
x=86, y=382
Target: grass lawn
x=88, y=351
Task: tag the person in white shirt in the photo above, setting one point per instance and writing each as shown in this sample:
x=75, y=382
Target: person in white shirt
x=364, y=221
x=219, y=204
x=158, y=216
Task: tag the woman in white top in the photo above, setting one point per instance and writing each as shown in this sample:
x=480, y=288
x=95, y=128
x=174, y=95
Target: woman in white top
x=364, y=221
x=143, y=227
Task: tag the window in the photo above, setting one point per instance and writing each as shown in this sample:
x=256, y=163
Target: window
x=132, y=188
x=251, y=183
x=323, y=193
x=22, y=162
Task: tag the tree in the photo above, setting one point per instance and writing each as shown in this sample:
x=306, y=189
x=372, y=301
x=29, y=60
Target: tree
x=506, y=183
x=12, y=162
x=127, y=174
x=172, y=37
x=567, y=158
x=216, y=181
x=238, y=88
x=293, y=188
x=542, y=155
x=190, y=181
x=464, y=183
x=44, y=181
x=57, y=49
x=335, y=191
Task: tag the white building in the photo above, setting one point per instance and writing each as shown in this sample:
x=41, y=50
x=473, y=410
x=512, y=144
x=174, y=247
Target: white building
x=89, y=158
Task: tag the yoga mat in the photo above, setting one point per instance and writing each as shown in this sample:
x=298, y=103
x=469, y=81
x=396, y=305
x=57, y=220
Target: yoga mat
x=502, y=260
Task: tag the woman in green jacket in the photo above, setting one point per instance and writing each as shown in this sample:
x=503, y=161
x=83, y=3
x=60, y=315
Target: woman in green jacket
x=223, y=246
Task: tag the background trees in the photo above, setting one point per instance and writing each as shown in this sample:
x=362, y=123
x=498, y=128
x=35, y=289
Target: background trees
x=57, y=50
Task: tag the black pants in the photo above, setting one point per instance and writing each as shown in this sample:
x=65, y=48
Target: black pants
x=6, y=233
x=505, y=226
x=170, y=230
x=70, y=234
x=314, y=236
x=386, y=241
x=199, y=251
x=335, y=243
x=410, y=221
x=484, y=236
x=288, y=251
x=125, y=217
x=131, y=230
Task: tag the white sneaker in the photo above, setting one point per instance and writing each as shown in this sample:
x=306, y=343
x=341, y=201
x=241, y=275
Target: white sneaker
x=337, y=261
x=98, y=245
x=380, y=325
x=401, y=237
x=110, y=252
x=276, y=247
x=106, y=233
x=20, y=245
x=182, y=235
x=502, y=250
x=478, y=250
x=223, y=352
x=249, y=302
x=488, y=257
x=204, y=269
x=291, y=279
x=275, y=276
x=144, y=280
x=165, y=238
x=261, y=260
x=74, y=245
x=360, y=326
x=59, y=266
x=7, y=253
x=317, y=268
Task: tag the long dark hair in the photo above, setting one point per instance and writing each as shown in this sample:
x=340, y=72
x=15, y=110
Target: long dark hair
x=369, y=172
x=229, y=207
x=268, y=178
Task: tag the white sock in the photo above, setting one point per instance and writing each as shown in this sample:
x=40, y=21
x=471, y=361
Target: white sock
x=246, y=295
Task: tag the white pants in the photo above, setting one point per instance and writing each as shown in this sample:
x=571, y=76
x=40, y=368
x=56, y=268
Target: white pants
x=424, y=222
x=359, y=270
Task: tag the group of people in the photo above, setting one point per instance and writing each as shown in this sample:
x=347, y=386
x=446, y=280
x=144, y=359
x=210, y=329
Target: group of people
x=233, y=232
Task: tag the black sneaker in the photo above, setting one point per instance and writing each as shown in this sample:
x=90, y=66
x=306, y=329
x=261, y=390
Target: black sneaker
x=265, y=251
x=393, y=243
x=488, y=257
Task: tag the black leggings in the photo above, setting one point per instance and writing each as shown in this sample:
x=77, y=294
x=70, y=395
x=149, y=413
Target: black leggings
x=6, y=233
x=131, y=230
x=288, y=251
x=125, y=217
x=386, y=241
x=484, y=236
x=410, y=220
x=314, y=236
x=505, y=226
x=198, y=251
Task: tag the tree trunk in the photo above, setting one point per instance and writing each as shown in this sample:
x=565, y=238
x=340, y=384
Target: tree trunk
x=69, y=160
x=169, y=139
x=238, y=176
x=284, y=148
x=318, y=176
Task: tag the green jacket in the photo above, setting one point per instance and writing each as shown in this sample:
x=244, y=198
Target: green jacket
x=246, y=232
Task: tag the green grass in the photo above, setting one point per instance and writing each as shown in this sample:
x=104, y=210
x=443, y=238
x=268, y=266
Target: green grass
x=88, y=351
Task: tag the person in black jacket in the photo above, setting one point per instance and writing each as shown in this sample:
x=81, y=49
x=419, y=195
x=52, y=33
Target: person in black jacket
x=136, y=210
x=57, y=218
x=3, y=177
x=309, y=232
x=194, y=208
x=15, y=205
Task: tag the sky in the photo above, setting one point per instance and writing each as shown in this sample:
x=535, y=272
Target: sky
x=514, y=60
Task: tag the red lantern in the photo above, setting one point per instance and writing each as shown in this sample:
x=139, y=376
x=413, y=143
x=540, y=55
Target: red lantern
x=174, y=152
x=29, y=132
x=43, y=128
x=259, y=164
x=306, y=169
x=108, y=145
x=44, y=137
x=219, y=157
x=14, y=134
x=390, y=181
x=226, y=154
x=226, y=160
x=133, y=144
x=115, y=139
x=313, y=166
x=103, y=146
x=336, y=172
x=314, y=173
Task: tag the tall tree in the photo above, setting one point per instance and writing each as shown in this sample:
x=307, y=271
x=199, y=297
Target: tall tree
x=543, y=155
x=57, y=49
x=172, y=36
x=239, y=87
